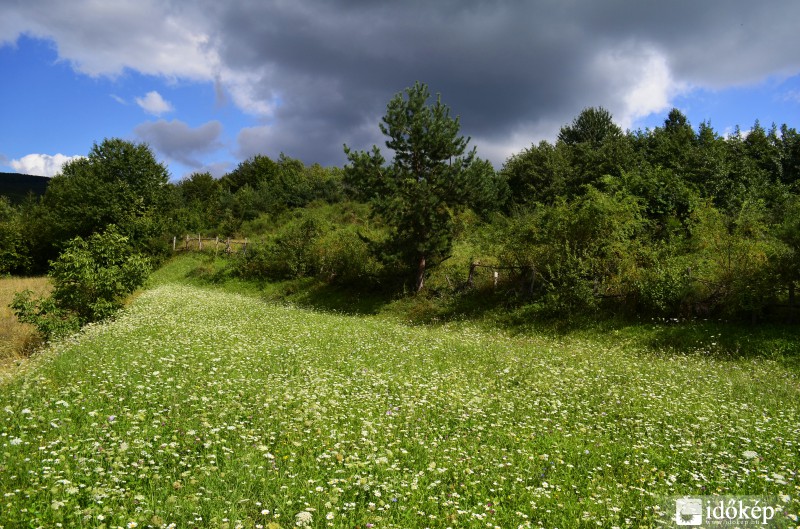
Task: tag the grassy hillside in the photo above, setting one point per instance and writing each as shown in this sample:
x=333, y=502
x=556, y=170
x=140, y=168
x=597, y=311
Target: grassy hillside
x=205, y=408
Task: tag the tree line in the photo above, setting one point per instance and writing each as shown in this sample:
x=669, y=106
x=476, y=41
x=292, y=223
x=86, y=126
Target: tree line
x=671, y=221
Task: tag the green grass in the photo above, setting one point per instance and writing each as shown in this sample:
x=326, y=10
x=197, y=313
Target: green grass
x=201, y=407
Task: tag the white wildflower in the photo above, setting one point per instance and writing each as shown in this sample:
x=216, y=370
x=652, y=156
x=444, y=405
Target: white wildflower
x=303, y=518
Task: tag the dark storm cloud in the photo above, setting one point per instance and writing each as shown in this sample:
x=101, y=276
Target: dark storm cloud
x=180, y=142
x=504, y=67
x=318, y=73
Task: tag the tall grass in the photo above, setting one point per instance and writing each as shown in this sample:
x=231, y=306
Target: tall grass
x=17, y=339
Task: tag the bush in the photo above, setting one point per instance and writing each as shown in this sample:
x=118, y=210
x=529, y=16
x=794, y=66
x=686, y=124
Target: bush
x=345, y=258
x=287, y=255
x=582, y=250
x=737, y=260
x=43, y=313
x=664, y=287
x=91, y=279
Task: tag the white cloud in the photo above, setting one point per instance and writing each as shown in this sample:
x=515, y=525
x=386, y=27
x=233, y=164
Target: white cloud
x=792, y=96
x=643, y=81
x=154, y=104
x=41, y=164
x=148, y=36
x=498, y=150
x=247, y=93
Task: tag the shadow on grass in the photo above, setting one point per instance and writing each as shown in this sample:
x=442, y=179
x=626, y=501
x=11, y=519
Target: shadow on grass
x=779, y=342
x=314, y=294
x=514, y=315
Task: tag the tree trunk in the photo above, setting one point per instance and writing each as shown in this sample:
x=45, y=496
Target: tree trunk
x=420, y=274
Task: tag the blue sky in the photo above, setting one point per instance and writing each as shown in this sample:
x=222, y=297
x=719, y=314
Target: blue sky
x=50, y=108
x=774, y=100
x=209, y=84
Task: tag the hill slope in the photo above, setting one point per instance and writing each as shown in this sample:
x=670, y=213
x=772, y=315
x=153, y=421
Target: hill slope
x=17, y=186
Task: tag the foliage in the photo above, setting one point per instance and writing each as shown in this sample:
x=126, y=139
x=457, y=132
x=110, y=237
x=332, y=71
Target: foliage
x=118, y=183
x=257, y=186
x=50, y=320
x=673, y=221
x=14, y=253
x=578, y=251
x=712, y=231
x=736, y=259
x=197, y=206
x=593, y=126
x=313, y=242
x=538, y=174
x=261, y=185
x=91, y=279
x=427, y=184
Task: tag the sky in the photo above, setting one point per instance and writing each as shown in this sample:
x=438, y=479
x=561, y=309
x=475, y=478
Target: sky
x=209, y=84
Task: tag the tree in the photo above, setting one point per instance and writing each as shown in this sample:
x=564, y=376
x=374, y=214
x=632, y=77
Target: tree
x=421, y=191
x=790, y=147
x=197, y=202
x=118, y=183
x=14, y=256
x=537, y=174
x=593, y=126
x=595, y=147
x=672, y=145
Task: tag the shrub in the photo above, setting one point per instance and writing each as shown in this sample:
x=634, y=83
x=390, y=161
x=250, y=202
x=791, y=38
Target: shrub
x=345, y=258
x=287, y=255
x=91, y=279
x=43, y=313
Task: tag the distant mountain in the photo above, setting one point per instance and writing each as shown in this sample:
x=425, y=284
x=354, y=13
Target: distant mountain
x=16, y=186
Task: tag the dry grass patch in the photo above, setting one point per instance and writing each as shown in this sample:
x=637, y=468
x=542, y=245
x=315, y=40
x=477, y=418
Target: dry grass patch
x=17, y=339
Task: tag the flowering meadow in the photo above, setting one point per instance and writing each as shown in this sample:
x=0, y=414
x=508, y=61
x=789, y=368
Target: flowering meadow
x=204, y=408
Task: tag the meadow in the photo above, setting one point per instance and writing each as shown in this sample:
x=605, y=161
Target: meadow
x=202, y=407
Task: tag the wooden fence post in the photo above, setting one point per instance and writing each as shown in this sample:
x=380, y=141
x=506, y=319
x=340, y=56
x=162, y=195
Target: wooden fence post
x=174, y=240
x=471, y=276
